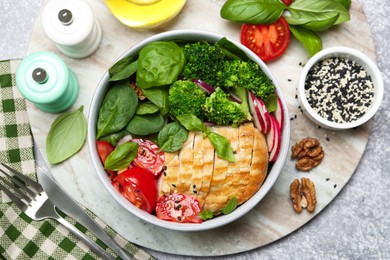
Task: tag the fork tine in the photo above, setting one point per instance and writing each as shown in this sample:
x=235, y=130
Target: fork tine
x=21, y=194
x=18, y=202
x=27, y=180
x=18, y=183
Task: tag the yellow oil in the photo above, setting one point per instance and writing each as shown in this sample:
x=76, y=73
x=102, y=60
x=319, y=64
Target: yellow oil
x=144, y=13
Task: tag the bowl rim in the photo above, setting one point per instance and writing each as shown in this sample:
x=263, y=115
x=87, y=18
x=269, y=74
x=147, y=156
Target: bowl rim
x=273, y=174
x=368, y=65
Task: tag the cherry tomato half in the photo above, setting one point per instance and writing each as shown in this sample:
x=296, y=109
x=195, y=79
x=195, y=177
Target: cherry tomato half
x=178, y=208
x=148, y=156
x=138, y=186
x=266, y=41
x=104, y=149
x=287, y=2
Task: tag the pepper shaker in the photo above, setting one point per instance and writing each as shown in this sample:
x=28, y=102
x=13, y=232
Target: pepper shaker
x=72, y=27
x=44, y=79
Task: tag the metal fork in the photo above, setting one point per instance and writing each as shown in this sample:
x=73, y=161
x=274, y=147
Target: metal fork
x=32, y=200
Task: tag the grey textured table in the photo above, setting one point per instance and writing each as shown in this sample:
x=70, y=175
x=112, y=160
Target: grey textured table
x=356, y=225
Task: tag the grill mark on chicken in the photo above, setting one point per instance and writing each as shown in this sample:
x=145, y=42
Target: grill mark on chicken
x=186, y=157
x=197, y=170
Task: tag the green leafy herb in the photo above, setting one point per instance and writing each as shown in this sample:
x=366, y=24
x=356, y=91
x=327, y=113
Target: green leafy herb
x=159, y=97
x=230, y=206
x=271, y=103
x=159, y=64
x=231, y=50
x=310, y=40
x=191, y=123
x=147, y=108
x=206, y=214
x=222, y=146
x=171, y=137
x=145, y=124
x=115, y=137
x=118, y=107
x=66, y=136
x=121, y=157
x=253, y=12
x=123, y=68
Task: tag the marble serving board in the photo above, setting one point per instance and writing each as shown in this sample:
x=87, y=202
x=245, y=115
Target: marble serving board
x=274, y=217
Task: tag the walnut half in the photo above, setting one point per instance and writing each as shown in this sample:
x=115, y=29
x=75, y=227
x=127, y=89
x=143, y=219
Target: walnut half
x=309, y=153
x=303, y=196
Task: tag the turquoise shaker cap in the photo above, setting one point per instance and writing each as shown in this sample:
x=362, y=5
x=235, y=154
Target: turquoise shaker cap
x=44, y=79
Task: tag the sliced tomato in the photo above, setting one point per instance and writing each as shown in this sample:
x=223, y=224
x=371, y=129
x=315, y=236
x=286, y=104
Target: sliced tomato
x=138, y=186
x=287, y=2
x=104, y=149
x=148, y=156
x=266, y=41
x=178, y=208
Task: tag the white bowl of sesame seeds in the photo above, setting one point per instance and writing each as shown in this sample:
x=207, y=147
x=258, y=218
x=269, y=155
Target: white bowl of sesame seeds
x=340, y=88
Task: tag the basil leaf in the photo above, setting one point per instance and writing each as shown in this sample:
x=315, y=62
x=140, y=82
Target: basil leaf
x=147, y=108
x=120, y=67
x=231, y=50
x=121, y=157
x=159, y=64
x=206, y=214
x=66, y=136
x=230, y=206
x=159, y=97
x=311, y=41
x=222, y=146
x=345, y=3
x=115, y=137
x=312, y=10
x=127, y=72
x=318, y=22
x=171, y=137
x=118, y=107
x=252, y=12
x=145, y=124
x=271, y=103
x=191, y=123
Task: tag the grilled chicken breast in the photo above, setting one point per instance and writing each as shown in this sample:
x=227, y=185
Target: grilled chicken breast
x=198, y=171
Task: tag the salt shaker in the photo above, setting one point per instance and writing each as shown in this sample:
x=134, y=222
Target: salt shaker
x=44, y=79
x=71, y=25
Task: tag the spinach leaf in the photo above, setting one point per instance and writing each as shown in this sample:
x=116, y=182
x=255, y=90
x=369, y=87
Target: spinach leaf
x=121, y=157
x=230, y=206
x=252, y=12
x=66, y=136
x=191, y=123
x=271, y=103
x=145, y=124
x=115, y=137
x=222, y=146
x=159, y=64
x=147, y=108
x=118, y=107
x=171, y=137
x=123, y=68
x=311, y=41
x=312, y=10
x=231, y=50
x=159, y=97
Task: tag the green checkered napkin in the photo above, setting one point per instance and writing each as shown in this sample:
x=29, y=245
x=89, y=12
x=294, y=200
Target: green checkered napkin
x=22, y=238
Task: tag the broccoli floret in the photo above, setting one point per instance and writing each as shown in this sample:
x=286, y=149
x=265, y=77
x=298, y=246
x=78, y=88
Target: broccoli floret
x=220, y=109
x=185, y=97
x=247, y=74
x=203, y=61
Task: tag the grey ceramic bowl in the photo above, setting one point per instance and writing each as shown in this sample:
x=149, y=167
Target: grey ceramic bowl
x=186, y=35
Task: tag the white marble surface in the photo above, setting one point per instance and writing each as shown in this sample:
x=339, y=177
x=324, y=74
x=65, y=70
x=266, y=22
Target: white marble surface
x=354, y=225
